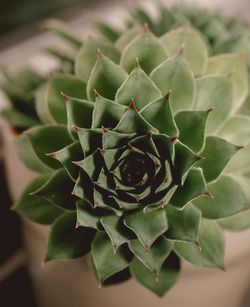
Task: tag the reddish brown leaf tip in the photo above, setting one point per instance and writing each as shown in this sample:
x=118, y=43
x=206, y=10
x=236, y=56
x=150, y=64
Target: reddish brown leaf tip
x=100, y=55
x=167, y=95
x=96, y=93
x=76, y=128
x=210, y=110
x=181, y=51
x=238, y=147
x=147, y=248
x=65, y=97
x=77, y=224
x=173, y=139
x=207, y=193
x=198, y=158
x=104, y=130
x=132, y=105
x=101, y=151
x=145, y=27
x=77, y=163
x=51, y=154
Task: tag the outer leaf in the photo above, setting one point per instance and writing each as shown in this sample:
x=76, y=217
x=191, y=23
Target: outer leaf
x=229, y=199
x=18, y=119
x=192, y=125
x=240, y=221
x=66, y=33
x=86, y=56
x=137, y=86
x=214, y=92
x=35, y=208
x=105, y=261
x=115, y=230
x=183, y=224
x=155, y=257
x=174, y=75
x=57, y=190
x=237, y=130
x=147, y=48
x=194, y=48
x=159, y=114
x=217, y=153
x=66, y=241
x=193, y=187
x=127, y=37
x=166, y=279
x=65, y=156
x=106, y=77
x=50, y=103
x=147, y=226
x=90, y=140
x=33, y=145
x=211, y=250
x=234, y=64
x=240, y=163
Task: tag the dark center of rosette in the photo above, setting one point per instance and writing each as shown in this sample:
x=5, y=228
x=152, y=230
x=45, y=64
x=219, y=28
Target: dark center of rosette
x=133, y=169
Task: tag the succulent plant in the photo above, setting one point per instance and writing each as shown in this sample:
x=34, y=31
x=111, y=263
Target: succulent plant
x=141, y=156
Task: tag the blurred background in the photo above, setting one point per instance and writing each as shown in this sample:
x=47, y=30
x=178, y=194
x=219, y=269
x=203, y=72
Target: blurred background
x=21, y=41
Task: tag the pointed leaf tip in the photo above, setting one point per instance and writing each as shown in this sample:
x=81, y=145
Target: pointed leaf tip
x=168, y=95
x=132, y=105
x=65, y=97
x=76, y=128
x=145, y=27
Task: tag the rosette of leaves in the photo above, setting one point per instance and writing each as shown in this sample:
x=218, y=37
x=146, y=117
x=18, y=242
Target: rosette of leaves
x=19, y=89
x=141, y=157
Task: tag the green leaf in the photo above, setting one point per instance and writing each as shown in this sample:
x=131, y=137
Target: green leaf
x=105, y=261
x=66, y=241
x=86, y=215
x=147, y=49
x=33, y=145
x=194, y=186
x=133, y=122
x=106, y=77
x=236, y=130
x=217, y=152
x=107, y=113
x=214, y=92
x=183, y=224
x=50, y=104
x=192, y=125
x=228, y=199
x=159, y=114
x=147, y=226
x=66, y=155
x=115, y=230
x=112, y=139
x=167, y=277
x=90, y=140
x=57, y=190
x=65, y=32
x=234, y=64
x=240, y=163
x=174, y=75
x=79, y=113
x=87, y=55
x=106, y=30
x=137, y=86
x=191, y=44
x=35, y=208
x=18, y=119
x=185, y=158
x=211, y=250
x=240, y=221
x=127, y=37
x=154, y=258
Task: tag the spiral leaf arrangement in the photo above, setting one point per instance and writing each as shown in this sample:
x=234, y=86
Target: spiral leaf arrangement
x=141, y=156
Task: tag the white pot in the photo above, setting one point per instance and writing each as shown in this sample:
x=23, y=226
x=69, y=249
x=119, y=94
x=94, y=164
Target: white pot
x=70, y=283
